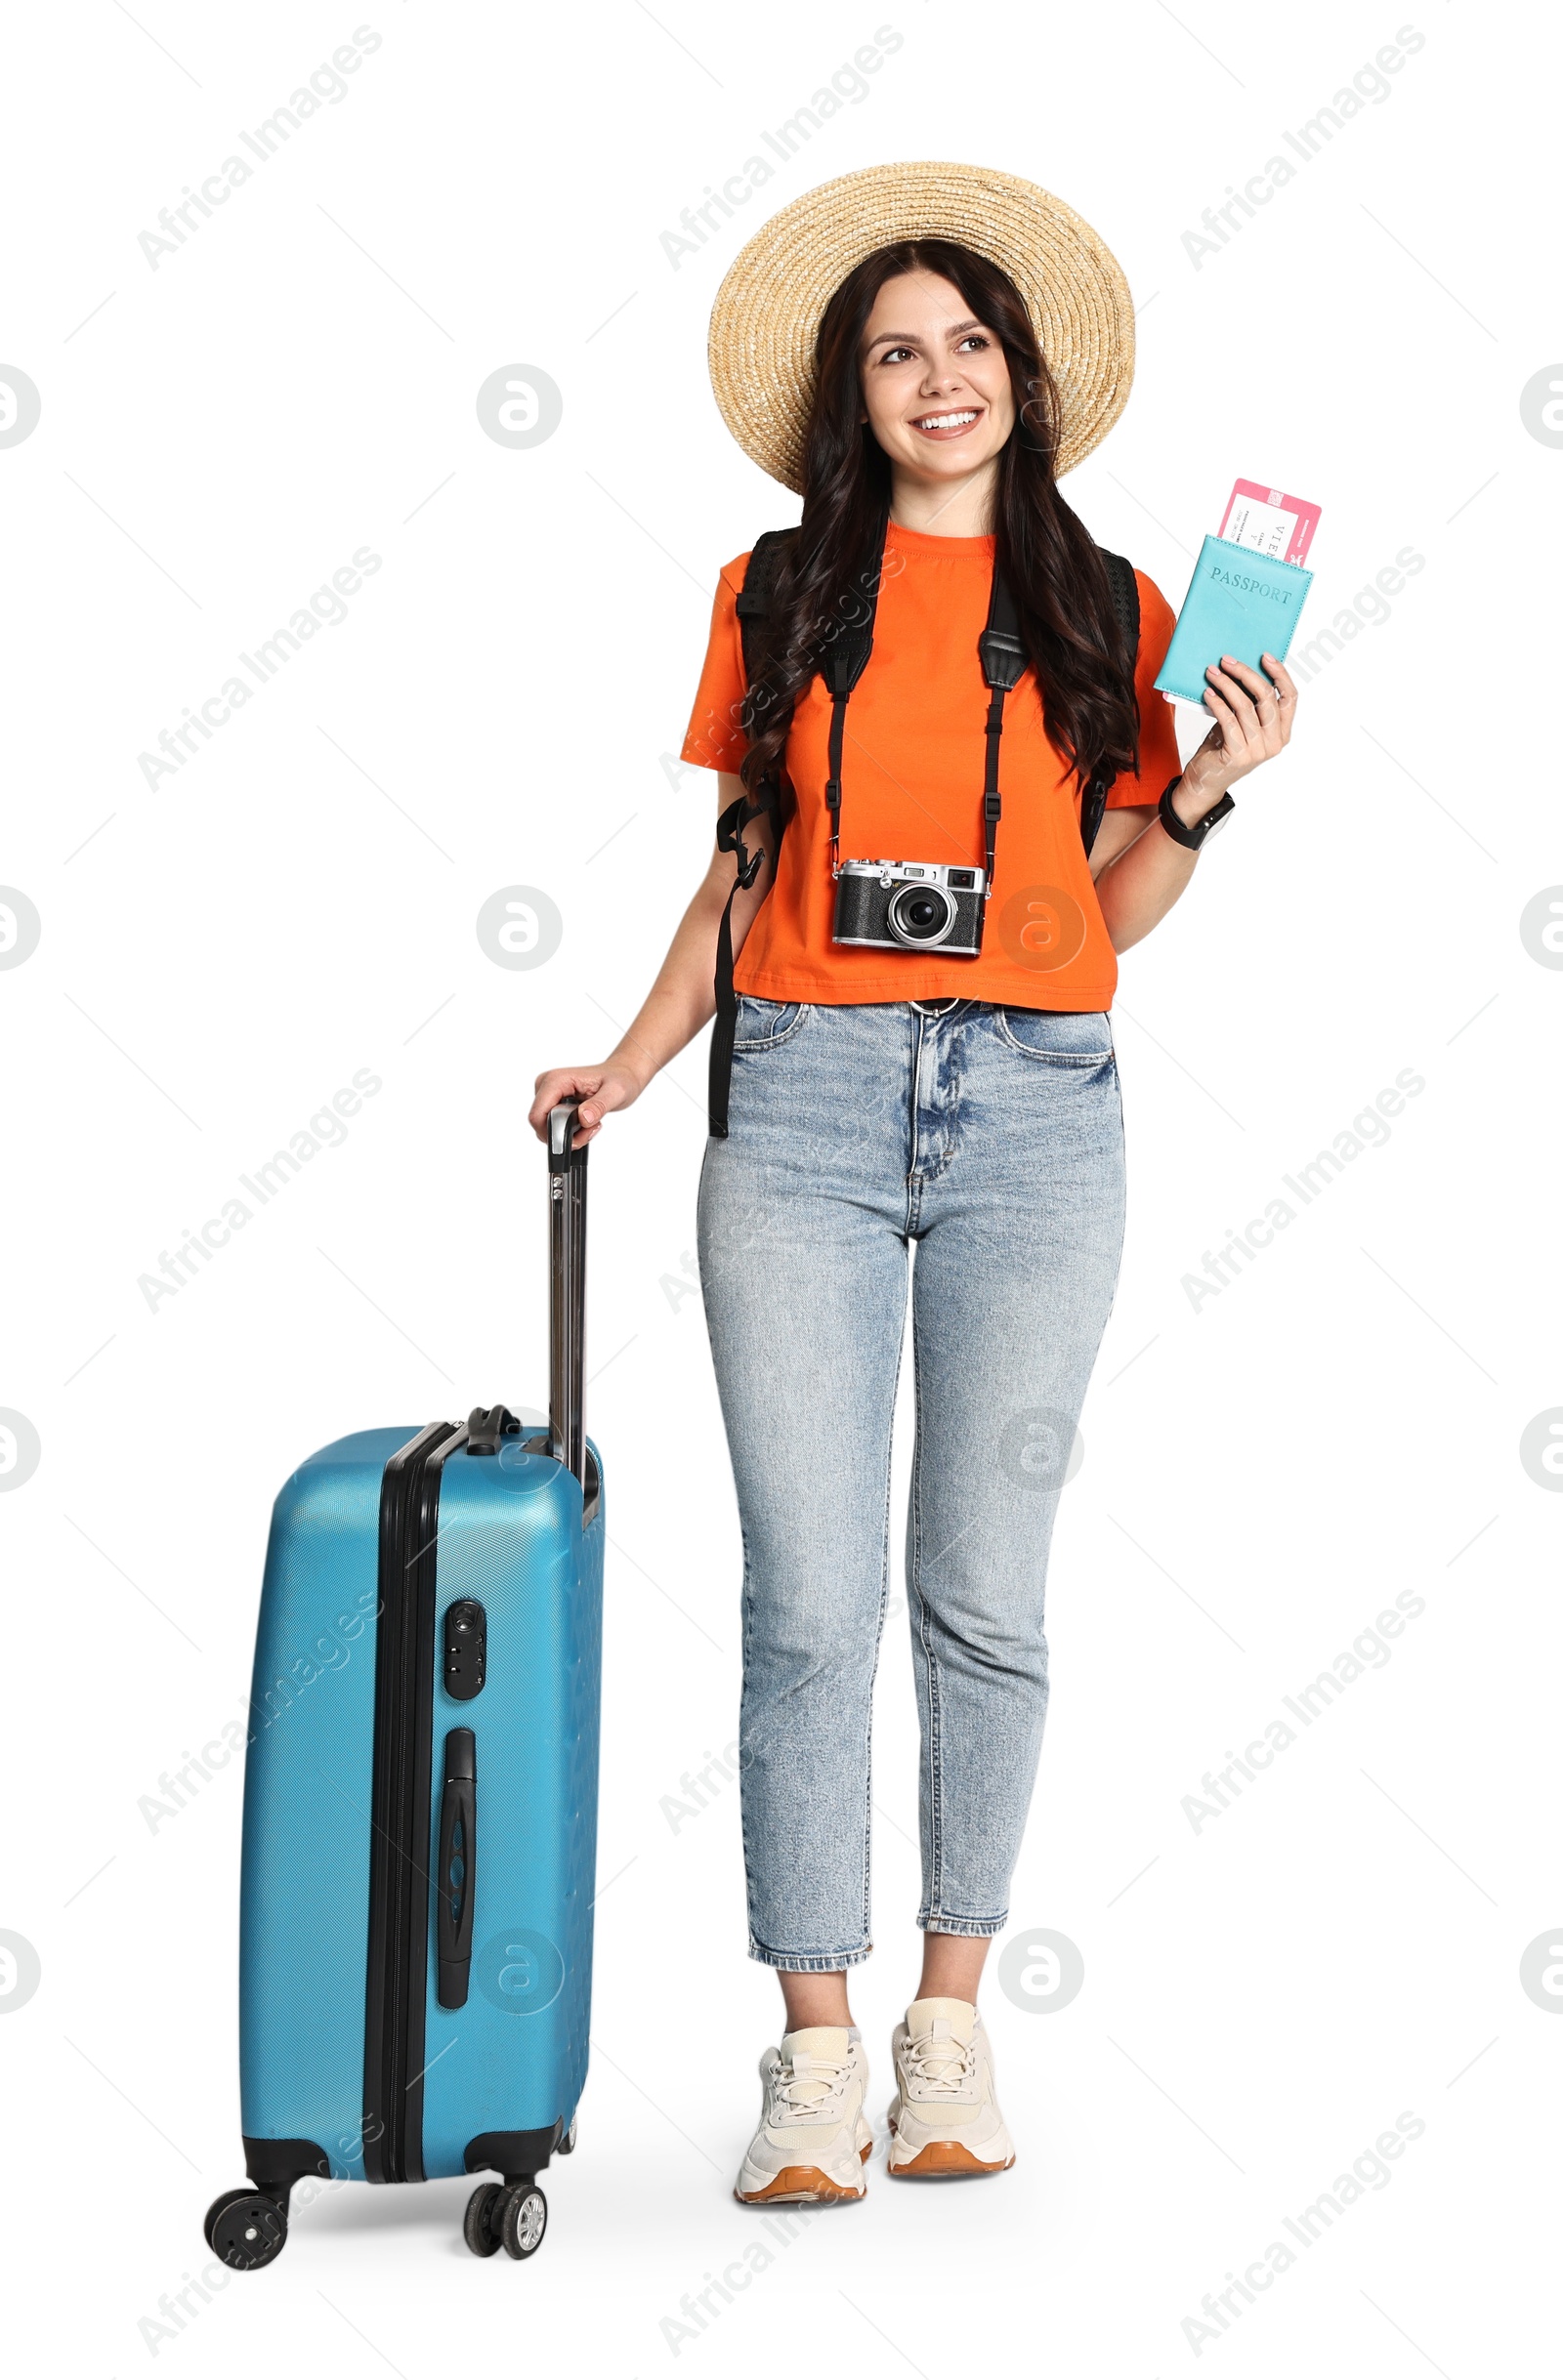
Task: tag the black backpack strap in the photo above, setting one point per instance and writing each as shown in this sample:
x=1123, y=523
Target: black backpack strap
x=730, y=838
x=753, y=610
x=754, y=596
x=1126, y=593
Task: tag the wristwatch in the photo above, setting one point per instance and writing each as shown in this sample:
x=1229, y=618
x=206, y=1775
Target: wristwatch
x=1191, y=837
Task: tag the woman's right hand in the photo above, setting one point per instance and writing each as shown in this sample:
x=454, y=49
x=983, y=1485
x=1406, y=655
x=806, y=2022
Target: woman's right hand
x=600, y=1090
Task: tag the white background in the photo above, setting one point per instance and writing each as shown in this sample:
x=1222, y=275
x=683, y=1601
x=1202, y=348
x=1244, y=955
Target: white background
x=1262, y=1475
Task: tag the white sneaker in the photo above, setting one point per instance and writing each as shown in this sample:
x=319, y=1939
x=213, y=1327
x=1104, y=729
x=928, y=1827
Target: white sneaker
x=814, y=2137
x=943, y=2118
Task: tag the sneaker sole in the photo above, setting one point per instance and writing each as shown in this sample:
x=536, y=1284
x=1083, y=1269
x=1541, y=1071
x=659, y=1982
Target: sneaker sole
x=942, y=2162
x=803, y=2185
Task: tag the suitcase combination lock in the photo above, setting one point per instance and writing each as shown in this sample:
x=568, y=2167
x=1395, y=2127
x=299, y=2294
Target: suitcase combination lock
x=466, y=1649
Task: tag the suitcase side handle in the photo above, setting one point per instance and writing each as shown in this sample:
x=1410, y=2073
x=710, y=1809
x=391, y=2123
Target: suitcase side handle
x=456, y=1865
x=567, y=1292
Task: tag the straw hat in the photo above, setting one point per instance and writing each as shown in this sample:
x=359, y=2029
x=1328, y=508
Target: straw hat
x=768, y=309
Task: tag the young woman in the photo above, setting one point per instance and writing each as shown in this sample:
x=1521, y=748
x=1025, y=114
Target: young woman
x=946, y=1082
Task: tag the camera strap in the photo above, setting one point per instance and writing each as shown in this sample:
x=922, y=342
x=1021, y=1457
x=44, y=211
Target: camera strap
x=1004, y=659
x=842, y=664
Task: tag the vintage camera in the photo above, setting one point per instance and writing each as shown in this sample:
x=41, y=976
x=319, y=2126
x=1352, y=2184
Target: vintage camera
x=904, y=904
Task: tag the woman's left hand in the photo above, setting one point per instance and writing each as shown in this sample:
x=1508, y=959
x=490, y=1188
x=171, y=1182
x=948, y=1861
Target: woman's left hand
x=1253, y=718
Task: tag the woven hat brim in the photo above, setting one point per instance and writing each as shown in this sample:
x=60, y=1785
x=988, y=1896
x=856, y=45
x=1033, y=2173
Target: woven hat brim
x=768, y=310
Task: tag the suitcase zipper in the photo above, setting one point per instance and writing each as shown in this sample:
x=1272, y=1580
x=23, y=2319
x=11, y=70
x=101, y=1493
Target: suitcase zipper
x=396, y=1975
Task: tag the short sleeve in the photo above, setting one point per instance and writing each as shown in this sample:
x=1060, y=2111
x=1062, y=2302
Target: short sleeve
x=1159, y=743
x=715, y=739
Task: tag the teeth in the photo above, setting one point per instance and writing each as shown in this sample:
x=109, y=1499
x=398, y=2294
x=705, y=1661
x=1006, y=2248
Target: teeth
x=945, y=421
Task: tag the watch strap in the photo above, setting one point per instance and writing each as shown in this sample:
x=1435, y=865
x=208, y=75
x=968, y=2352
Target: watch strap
x=1191, y=837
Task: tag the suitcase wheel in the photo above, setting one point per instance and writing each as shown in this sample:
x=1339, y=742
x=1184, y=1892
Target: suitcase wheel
x=246, y=2228
x=522, y=2216
x=477, y=2227
x=567, y=2146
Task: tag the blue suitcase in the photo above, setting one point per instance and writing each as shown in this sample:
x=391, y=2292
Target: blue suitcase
x=420, y=1803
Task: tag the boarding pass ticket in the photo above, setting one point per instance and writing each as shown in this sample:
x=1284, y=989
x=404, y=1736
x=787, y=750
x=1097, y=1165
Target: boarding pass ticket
x=1268, y=521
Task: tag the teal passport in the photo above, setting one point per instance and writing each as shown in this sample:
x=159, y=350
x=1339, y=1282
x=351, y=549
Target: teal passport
x=1239, y=601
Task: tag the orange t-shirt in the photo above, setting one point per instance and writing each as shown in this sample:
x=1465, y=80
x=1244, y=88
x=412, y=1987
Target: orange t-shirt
x=911, y=788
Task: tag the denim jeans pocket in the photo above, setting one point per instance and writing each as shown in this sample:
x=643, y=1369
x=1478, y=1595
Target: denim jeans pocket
x=1056, y=1037
x=761, y=1023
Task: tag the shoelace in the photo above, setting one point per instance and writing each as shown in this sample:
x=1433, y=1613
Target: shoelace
x=940, y=2068
x=810, y=2096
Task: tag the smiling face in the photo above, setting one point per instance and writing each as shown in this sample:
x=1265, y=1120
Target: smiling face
x=936, y=386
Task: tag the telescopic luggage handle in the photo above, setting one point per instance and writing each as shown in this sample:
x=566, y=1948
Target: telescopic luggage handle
x=567, y=1292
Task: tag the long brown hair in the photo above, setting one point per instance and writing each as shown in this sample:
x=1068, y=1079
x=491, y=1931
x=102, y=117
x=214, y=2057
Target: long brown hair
x=1052, y=565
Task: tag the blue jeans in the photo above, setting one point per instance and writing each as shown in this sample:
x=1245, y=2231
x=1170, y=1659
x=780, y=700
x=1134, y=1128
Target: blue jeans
x=993, y=1140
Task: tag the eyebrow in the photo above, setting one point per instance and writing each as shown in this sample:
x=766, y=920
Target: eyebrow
x=902, y=338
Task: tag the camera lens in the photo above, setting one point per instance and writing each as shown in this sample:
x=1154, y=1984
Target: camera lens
x=921, y=915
